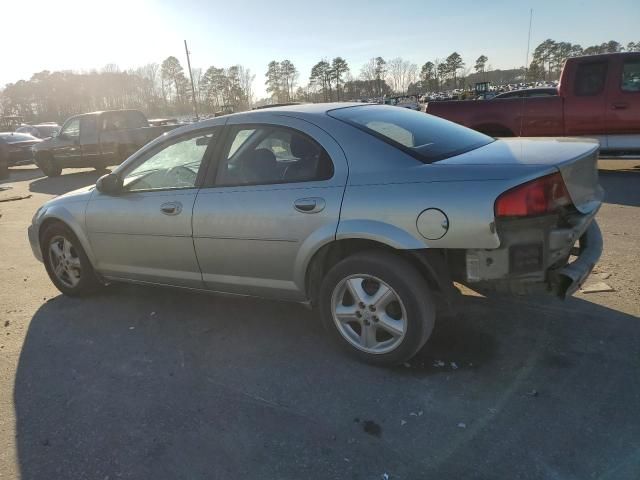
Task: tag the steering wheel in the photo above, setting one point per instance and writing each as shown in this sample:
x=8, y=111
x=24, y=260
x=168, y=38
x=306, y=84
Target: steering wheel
x=182, y=174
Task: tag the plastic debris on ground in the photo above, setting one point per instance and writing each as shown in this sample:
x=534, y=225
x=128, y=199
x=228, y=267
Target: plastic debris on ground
x=597, y=287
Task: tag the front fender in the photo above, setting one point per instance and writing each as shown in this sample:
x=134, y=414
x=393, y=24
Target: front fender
x=73, y=216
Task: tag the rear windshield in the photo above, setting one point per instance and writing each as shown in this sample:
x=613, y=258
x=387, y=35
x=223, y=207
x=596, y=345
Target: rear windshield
x=423, y=136
x=16, y=137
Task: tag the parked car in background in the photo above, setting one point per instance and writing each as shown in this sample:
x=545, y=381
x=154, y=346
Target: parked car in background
x=367, y=212
x=42, y=130
x=598, y=97
x=403, y=101
x=18, y=147
x=97, y=139
x=528, y=93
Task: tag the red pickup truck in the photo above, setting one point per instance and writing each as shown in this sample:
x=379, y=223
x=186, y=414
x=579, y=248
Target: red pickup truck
x=598, y=97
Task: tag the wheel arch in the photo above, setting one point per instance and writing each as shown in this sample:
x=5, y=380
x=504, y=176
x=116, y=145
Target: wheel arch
x=64, y=217
x=431, y=263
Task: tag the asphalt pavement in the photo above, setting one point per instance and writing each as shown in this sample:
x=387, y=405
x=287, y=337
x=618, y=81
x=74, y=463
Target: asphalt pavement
x=152, y=383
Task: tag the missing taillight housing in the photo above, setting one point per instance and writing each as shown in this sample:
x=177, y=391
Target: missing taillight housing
x=537, y=197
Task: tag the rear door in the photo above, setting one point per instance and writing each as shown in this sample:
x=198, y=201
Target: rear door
x=585, y=99
x=623, y=112
x=275, y=197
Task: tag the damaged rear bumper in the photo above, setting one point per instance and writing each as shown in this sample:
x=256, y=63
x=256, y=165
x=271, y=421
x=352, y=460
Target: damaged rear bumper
x=534, y=256
x=566, y=280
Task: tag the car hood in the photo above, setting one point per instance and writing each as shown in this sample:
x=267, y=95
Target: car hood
x=79, y=195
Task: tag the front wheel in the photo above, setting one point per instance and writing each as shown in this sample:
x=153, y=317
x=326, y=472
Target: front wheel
x=66, y=262
x=378, y=306
x=48, y=167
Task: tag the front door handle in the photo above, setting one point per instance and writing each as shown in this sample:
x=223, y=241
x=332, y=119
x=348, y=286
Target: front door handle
x=171, y=208
x=619, y=106
x=309, y=205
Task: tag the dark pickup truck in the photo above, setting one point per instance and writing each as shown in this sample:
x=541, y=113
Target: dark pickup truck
x=97, y=139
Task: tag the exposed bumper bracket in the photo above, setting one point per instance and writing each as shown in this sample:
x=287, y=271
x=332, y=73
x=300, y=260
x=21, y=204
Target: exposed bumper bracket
x=566, y=280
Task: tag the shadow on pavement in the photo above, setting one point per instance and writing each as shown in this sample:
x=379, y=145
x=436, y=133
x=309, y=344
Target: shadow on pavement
x=622, y=187
x=22, y=174
x=64, y=183
x=138, y=382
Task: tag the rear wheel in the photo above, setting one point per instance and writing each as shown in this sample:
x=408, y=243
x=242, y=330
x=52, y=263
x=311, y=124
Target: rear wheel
x=48, y=167
x=377, y=306
x=66, y=262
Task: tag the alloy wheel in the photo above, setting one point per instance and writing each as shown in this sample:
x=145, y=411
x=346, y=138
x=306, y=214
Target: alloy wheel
x=64, y=261
x=368, y=313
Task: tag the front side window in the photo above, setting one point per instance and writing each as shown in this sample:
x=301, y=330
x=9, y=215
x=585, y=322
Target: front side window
x=174, y=166
x=631, y=76
x=424, y=137
x=72, y=128
x=590, y=79
x=268, y=155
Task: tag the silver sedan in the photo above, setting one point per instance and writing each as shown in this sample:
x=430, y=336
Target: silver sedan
x=367, y=212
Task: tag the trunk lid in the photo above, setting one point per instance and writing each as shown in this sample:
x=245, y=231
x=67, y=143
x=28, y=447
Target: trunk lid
x=576, y=159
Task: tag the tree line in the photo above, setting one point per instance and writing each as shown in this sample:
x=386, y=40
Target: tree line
x=157, y=89
x=164, y=89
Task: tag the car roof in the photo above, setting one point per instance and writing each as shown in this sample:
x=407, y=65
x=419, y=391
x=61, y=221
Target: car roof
x=307, y=108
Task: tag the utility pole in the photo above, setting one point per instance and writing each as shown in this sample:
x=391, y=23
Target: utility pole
x=193, y=88
x=526, y=62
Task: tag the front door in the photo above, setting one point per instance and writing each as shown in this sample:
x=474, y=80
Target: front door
x=276, y=195
x=66, y=148
x=144, y=232
x=623, y=112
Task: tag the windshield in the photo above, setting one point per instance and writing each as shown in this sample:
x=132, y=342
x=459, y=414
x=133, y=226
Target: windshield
x=423, y=136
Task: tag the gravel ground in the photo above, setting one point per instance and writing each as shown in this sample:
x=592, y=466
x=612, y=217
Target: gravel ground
x=140, y=382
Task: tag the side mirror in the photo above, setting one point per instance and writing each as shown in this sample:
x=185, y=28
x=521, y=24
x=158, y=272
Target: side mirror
x=109, y=184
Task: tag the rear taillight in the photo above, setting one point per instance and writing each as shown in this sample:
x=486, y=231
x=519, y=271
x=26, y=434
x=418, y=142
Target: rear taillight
x=540, y=196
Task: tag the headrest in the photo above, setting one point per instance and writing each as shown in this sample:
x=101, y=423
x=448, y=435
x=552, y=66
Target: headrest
x=302, y=147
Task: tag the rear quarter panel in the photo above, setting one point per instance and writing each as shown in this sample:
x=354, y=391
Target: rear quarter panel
x=387, y=210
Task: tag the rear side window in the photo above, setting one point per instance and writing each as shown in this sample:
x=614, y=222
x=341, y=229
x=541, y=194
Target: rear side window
x=423, y=136
x=113, y=121
x=263, y=155
x=590, y=79
x=631, y=76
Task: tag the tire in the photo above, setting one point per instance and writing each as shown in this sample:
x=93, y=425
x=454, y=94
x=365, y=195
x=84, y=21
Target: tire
x=4, y=169
x=78, y=277
x=48, y=167
x=411, y=317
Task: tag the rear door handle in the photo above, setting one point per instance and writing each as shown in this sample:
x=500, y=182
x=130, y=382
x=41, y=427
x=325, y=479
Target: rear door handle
x=171, y=208
x=309, y=205
x=619, y=106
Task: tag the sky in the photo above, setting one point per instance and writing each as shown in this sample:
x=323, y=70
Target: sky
x=87, y=34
